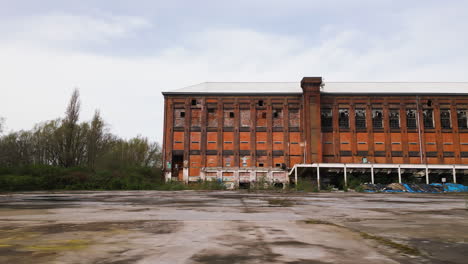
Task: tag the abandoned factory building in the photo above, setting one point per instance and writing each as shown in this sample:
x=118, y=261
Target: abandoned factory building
x=243, y=131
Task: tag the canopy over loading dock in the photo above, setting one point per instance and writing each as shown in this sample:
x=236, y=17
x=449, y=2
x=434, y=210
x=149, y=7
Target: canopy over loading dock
x=371, y=166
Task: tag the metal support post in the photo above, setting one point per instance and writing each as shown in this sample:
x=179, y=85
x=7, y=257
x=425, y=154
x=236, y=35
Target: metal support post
x=318, y=176
x=399, y=174
x=427, y=175
x=295, y=176
x=372, y=173
x=345, y=176
x=454, y=172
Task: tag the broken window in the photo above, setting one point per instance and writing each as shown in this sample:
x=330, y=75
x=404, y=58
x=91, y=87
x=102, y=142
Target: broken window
x=212, y=117
x=194, y=101
x=294, y=118
x=179, y=117
x=261, y=118
x=244, y=118
x=377, y=120
x=260, y=102
x=394, y=118
x=462, y=118
x=277, y=118
x=445, y=119
x=343, y=118
x=360, y=118
x=326, y=118
x=228, y=118
x=411, y=122
x=428, y=117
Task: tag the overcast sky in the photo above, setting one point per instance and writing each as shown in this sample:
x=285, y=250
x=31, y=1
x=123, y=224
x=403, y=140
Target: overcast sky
x=122, y=54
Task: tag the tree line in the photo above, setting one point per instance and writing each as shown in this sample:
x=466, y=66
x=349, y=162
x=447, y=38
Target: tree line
x=68, y=143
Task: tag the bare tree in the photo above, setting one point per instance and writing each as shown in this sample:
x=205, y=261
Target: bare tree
x=70, y=131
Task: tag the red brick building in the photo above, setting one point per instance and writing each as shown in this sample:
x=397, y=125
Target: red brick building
x=240, y=131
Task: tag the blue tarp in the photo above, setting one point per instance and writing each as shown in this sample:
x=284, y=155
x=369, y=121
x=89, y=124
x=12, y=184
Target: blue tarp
x=454, y=187
x=415, y=188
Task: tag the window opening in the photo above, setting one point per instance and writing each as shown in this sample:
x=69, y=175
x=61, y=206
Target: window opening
x=182, y=114
x=428, y=118
x=377, y=118
x=462, y=118
x=343, y=118
x=445, y=119
x=360, y=118
x=411, y=119
x=194, y=101
x=394, y=118
x=327, y=118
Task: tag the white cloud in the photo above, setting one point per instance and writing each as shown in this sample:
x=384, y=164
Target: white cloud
x=38, y=79
x=65, y=30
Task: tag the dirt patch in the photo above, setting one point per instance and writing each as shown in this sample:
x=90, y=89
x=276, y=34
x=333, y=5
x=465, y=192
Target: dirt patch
x=280, y=202
x=154, y=227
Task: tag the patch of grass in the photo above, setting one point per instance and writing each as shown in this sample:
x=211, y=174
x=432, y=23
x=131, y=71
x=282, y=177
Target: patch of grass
x=381, y=240
x=62, y=245
x=280, y=202
x=320, y=222
x=387, y=242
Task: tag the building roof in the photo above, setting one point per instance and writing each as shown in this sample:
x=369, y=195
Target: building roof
x=328, y=87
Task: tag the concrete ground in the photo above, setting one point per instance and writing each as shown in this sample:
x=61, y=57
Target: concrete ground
x=232, y=227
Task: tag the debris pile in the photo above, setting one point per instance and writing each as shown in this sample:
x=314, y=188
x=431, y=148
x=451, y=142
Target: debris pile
x=415, y=187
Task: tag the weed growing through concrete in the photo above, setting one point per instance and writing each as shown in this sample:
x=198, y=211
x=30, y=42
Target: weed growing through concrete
x=280, y=202
x=400, y=247
x=381, y=240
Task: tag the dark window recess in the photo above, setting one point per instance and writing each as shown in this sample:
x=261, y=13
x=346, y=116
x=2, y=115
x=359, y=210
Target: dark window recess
x=360, y=118
x=428, y=118
x=345, y=153
x=195, y=152
x=264, y=115
x=431, y=154
x=411, y=122
x=377, y=120
x=464, y=154
x=379, y=153
x=260, y=102
x=363, y=153
x=211, y=152
x=211, y=110
x=343, y=118
x=228, y=152
x=260, y=164
x=413, y=153
x=445, y=119
x=261, y=152
x=278, y=165
x=182, y=114
x=277, y=113
x=397, y=154
x=394, y=119
x=462, y=118
x=326, y=118
x=429, y=103
x=244, y=152
x=278, y=153
x=231, y=114
x=194, y=102
x=449, y=154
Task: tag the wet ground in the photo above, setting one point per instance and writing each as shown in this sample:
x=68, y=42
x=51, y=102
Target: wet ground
x=232, y=227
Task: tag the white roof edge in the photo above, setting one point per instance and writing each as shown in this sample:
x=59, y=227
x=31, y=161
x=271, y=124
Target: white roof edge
x=328, y=87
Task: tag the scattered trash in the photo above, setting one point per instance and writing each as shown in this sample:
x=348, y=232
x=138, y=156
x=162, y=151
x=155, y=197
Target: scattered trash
x=415, y=187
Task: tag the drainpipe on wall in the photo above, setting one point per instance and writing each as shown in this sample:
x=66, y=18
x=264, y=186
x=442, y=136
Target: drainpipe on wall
x=419, y=129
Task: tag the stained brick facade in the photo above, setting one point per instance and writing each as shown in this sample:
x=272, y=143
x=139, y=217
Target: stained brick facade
x=268, y=132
